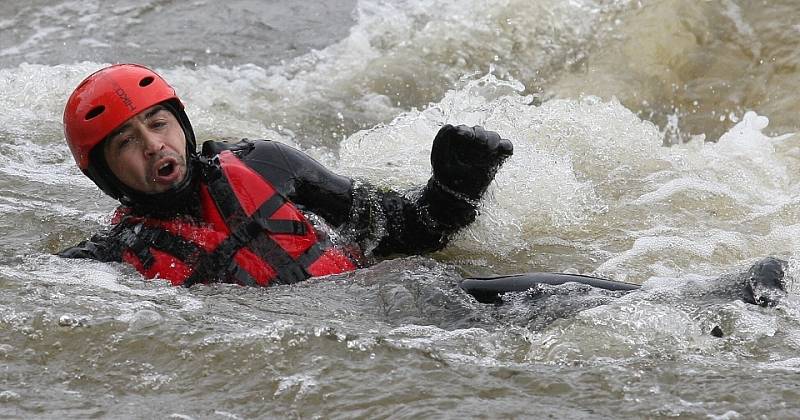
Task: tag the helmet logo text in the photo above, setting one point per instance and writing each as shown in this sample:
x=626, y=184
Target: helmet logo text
x=123, y=96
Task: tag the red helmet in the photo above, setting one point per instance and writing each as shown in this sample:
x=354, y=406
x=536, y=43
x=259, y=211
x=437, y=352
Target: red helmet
x=105, y=100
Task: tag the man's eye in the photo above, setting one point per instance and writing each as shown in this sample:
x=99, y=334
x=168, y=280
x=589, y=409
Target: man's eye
x=158, y=124
x=125, y=141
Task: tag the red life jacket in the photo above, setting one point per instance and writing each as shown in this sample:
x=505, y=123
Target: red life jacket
x=249, y=234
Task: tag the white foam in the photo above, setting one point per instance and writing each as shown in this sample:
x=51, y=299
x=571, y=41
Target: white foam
x=585, y=169
x=54, y=270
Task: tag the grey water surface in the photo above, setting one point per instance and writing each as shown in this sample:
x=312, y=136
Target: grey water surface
x=654, y=143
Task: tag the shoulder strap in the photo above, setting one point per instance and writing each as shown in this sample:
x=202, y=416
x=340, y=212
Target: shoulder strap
x=250, y=231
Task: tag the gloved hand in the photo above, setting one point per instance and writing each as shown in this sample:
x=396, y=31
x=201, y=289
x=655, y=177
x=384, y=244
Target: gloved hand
x=465, y=159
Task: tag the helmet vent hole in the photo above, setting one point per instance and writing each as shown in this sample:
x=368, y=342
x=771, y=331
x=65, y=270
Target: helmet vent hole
x=95, y=112
x=146, y=81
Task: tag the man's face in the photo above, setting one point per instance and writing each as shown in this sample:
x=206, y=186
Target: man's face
x=148, y=152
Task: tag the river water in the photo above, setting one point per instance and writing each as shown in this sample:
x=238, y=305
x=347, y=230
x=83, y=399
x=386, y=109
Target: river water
x=654, y=143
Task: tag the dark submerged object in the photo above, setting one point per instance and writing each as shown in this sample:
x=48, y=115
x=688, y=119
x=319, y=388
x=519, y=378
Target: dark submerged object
x=489, y=289
x=763, y=284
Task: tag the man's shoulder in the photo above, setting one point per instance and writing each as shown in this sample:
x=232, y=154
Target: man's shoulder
x=243, y=147
x=212, y=148
x=248, y=149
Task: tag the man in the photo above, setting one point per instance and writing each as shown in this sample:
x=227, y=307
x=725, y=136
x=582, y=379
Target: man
x=260, y=212
x=255, y=212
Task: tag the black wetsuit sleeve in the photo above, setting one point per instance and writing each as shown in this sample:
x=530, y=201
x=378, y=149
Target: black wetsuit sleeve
x=97, y=248
x=421, y=220
x=382, y=221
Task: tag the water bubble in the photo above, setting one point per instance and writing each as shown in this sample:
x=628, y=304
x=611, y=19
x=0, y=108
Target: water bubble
x=144, y=319
x=67, y=321
x=9, y=396
x=6, y=349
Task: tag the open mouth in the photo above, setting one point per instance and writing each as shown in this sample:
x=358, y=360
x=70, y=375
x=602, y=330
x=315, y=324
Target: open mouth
x=166, y=170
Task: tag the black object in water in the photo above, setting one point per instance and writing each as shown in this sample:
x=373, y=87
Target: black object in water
x=488, y=289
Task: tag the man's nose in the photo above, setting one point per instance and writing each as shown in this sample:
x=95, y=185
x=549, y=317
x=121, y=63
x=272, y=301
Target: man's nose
x=152, y=142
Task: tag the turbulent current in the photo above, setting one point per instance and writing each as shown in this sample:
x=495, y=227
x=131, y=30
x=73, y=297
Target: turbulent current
x=654, y=143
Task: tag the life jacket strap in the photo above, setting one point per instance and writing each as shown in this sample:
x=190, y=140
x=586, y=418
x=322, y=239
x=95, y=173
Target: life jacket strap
x=241, y=275
x=287, y=227
x=139, y=238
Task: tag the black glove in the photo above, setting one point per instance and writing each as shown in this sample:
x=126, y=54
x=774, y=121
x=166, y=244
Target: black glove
x=465, y=159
